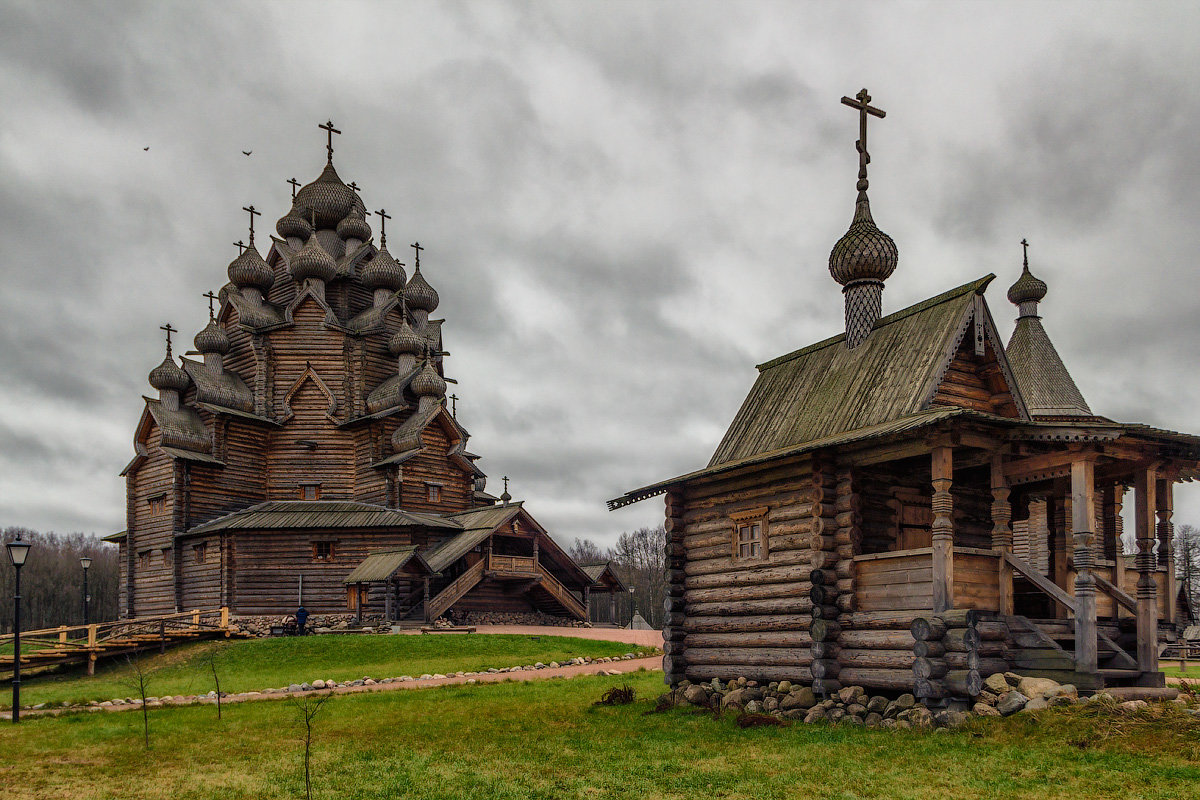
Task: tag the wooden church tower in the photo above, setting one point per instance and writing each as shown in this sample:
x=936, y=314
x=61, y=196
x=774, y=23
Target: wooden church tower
x=304, y=451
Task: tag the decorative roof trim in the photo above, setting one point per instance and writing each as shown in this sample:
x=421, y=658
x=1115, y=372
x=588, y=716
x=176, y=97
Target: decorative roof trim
x=309, y=373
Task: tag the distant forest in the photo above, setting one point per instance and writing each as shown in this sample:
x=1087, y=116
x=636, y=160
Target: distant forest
x=52, y=580
x=639, y=558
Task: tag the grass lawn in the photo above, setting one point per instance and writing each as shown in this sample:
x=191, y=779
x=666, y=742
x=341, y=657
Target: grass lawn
x=545, y=739
x=249, y=665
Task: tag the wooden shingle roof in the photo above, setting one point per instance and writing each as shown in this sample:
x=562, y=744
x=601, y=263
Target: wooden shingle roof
x=291, y=514
x=826, y=389
x=477, y=525
x=1045, y=382
x=382, y=565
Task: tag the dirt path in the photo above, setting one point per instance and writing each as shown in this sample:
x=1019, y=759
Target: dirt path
x=652, y=663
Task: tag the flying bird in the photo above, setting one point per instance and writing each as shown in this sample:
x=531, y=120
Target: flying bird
x=145, y=148
x=247, y=152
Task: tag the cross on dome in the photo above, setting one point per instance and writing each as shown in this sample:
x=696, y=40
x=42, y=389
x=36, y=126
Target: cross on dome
x=417, y=247
x=240, y=245
x=295, y=185
x=253, y=214
x=1025, y=247
x=383, y=218
x=330, y=130
x=454, y=406
x=861, y=101
x=169, y=329
x=211, y=297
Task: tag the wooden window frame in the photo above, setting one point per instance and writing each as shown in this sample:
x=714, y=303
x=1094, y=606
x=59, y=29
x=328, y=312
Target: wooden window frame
x=144, y=558
x=304, y=488
x=748, y=521
x=157, y=503
x=433, y=492
x=330, y=557
x=200, y=552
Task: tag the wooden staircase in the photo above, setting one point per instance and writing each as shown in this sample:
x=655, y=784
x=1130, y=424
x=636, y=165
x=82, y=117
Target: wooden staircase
x=454, y=592
x=1045, y=648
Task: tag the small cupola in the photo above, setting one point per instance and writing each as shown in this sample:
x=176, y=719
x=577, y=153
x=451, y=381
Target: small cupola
x=169, y=378
x=420, y=296
x=428, y=386
x=1028, y=290
x=212, y=342
x=406, y=345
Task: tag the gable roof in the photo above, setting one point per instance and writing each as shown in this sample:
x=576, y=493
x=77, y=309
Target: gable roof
x=381, y=565
x=597, y=571
x=477, y=525
x=291, y=514
x=1048, y=388
x=827, y=389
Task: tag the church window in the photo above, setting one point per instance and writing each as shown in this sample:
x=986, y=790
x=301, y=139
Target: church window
x=158, y=503
x=144, y=559
x=323, y=551
x=749, y=534
x=310, y=491
x=433, y=492
x=200, y=552
x=167, y=557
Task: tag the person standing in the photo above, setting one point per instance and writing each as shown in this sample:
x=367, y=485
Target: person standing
x=301, y=619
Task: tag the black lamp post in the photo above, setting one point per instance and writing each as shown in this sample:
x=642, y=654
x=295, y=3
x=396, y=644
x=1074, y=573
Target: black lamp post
x=17, y=552
x=632, y=608
x=85, y=562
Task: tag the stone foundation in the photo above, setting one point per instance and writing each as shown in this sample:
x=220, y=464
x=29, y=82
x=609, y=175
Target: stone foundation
x=521, y=618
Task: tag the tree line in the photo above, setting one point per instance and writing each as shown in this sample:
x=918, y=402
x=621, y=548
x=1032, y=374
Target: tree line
x=639, y=558
x=52, y=580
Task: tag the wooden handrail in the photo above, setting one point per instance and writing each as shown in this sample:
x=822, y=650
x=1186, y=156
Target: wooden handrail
x=461, y=585
x=62, y=633
x=1112, y=591
x=560, y=593
x=1049, y=587
x=512, y=563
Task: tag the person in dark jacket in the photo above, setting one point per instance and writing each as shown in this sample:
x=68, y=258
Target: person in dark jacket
x=301, y=618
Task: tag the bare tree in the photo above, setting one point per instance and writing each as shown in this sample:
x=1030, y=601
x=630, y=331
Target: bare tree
x=307, y=707
x=52, y=580
x=140, y=681
x=585, y=551
x=1187, y=566
x=640, y=559
x=211, y=660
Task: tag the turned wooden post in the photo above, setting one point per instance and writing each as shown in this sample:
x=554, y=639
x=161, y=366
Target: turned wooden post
x=1147, y=606
x=942, y=529
x=1083, y=511
x=587, y=603
x=1002, y=535
x=426, y=604
x=1164, y=496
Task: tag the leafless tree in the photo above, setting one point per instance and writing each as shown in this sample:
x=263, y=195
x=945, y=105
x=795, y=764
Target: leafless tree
x=640, y=558
x=585, y=551
x=211, y=660
x=139, y=680
x=52, y=580
x=307, y=706
x=1187, y=566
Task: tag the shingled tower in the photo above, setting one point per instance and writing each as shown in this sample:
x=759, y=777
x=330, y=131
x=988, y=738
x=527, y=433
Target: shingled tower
x=313, y=435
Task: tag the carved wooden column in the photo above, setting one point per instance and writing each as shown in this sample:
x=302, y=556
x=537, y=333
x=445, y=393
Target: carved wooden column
x=1059, y=513
x=587, y=603
x=427, y=619
x=1147, y=605
x=1164, y=507
x=943, y=529
x=1002, y=535
x=1083, y=510
x=675, y=658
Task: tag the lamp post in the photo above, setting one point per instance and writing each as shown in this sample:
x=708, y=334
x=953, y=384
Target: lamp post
x=632, y=608
x=17, y=552
x=85, y=562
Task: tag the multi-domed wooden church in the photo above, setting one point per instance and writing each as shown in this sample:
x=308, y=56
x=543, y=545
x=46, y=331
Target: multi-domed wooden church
x=304, y=451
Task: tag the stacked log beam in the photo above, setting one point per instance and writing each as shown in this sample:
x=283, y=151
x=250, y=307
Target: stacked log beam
x=947, y=657
x=825, y=557
x=674, y=660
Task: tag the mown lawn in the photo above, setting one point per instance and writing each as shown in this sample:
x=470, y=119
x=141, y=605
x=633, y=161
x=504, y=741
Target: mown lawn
x=250, y=665
x=545, y=739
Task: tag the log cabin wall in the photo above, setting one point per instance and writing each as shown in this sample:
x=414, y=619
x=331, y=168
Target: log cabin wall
x=150, y=536
x=215, y=490
x=371, y=483
x=493, y=595
x=200, y=572
x=432, y=465
x=747, y=616
x=269, y=565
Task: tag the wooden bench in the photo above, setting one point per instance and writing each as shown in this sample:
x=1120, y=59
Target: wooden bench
x=453, y=629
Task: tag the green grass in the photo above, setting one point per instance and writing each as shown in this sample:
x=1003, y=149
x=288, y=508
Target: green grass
x=250, y=665
x=545, y=739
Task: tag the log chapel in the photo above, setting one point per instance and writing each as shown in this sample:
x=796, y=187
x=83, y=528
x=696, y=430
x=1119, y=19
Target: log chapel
x=304, y=451
x=912, y=505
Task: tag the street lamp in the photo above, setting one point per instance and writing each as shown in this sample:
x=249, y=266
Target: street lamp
x=85, y=562
x=632, y=608
x=17, y=552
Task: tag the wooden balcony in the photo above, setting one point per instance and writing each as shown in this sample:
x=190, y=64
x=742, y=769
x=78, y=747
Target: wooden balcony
x=499, y=566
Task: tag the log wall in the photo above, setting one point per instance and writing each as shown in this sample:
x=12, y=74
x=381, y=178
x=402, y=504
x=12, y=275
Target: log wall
x=150, y=535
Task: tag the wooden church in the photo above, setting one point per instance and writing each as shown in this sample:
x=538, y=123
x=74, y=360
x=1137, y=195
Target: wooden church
x=304, y=453
x=912, y=505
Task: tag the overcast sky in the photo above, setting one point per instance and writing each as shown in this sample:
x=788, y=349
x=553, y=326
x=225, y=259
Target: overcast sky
x=625, y=206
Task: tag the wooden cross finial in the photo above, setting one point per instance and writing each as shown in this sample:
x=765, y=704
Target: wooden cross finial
x=169, y=329
x=506, y=484
x=253, y=214
x=354, y=185
x=861, y=101
x=295, y=185
x=240, y=245
x=1025, y=247
x=417, y=247
x=330, y=130
x=383, y=218
x=454, y=406
x=211, y=297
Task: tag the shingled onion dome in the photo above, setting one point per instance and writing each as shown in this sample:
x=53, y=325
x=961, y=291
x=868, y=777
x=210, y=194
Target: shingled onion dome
x=249, y=270
x=328, y=197
x=353, y=226
x=861, y=261
x=1027, y=292
x=406, y=345
x=383, y=275
x=313, y=261
x=213, y=343
x=428, y=386
x=293, y=225
x=420, y=296
x=170, y=380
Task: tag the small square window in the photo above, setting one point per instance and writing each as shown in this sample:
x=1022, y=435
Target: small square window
x=750, y=540
x=749, y=534
x=200, y=552
x=158, y=504
x=433, y=492
x=323, y=551
x=310, y=492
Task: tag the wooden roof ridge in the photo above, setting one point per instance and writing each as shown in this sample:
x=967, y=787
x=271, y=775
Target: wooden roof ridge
x=299, y=514
x=976, y=286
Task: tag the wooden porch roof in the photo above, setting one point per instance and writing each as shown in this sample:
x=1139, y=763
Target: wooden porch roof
x=380, y=566
x=291, y=514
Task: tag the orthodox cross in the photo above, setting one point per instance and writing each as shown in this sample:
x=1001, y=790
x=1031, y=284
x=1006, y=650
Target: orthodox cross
x=169, y=331
x=383, y=218
x=240, y=245
x=862, y=101
x=354, y=185
x=211, y=297
x=253, y=214
x=330, y=130
x=1025, y=247
x=506, y=484
x=417, y=247
x=295, y=185
x=454, y=406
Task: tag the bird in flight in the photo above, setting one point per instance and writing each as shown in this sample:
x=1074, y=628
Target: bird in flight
x=247, y=152
x=145, y=148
